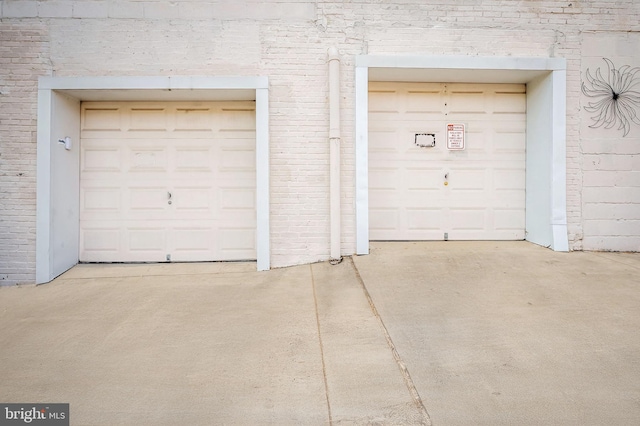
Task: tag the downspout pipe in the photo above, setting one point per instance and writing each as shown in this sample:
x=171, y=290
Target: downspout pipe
x=334, y=151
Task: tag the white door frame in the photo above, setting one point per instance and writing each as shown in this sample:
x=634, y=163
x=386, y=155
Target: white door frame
x=546, y=212
x=58, y=178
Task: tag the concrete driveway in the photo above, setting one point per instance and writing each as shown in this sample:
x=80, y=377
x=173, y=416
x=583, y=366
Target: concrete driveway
x=415, y=333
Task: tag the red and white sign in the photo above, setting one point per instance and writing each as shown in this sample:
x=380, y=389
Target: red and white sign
x=455, y=136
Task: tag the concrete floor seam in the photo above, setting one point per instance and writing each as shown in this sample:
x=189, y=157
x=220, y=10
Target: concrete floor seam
x=324, y=369
x=622, y=262
x=97, y=277
x=398, y=359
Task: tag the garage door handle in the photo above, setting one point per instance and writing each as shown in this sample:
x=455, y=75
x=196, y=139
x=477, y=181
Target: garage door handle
x=169, y=194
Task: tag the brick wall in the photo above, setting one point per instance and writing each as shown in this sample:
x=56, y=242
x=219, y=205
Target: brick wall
x=24, y=55
x=288, y=41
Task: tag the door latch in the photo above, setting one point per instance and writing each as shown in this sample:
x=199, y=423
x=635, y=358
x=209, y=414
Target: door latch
x=169, y=195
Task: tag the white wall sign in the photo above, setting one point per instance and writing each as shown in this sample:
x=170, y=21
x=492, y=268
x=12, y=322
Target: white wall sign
x=455, y=136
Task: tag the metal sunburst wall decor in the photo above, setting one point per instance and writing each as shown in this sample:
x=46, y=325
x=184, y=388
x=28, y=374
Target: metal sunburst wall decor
x=616, y=97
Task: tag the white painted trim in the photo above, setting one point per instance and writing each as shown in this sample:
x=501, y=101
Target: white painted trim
x=473, y=69
x=462, y=62
x=262, y=178
x=362, y=160
x=153, y=83
x=145, y=88
x=560, y=241
x=44, y=259
x=538, y=160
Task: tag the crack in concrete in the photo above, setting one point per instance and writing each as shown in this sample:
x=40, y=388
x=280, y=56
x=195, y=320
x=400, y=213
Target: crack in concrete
x=324, y=369
x=396, y=356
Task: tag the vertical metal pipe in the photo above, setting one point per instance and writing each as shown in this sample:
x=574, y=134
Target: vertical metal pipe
x=334, y=150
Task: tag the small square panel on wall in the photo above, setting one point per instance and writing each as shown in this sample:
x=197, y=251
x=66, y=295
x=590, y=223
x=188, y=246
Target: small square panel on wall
x=425, y=140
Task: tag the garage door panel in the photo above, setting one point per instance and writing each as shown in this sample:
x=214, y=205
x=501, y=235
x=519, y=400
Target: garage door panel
x=384, y=219
x=384, y=179
x=424, y=219
x=409, y=196
x=423, y=179
x=469, y=103
x=193, y=201
x=192, y=238
x=423, y=101
x=476, y=132
x=383, y=101
x=238, y=199
x=509, y=142
x=509, y=179
x=237, y=243
x=232, y=138
x=193, y=159
x=145, y=199
x=101, y=159
x=380, y=199
x=467, y=219
x=241, y=140
x=464, y=199
x=510, y=103
x=510, y=121
x=462, y=179
x=508, y=220
x=233, y=160
x=101, y=199
x=145, y=239
x=423, y=199
x=380, y=141
x=199, y=156
x=98, y=240
x=146, y=159
x=101, y=119
x=379, y=213
x=194, y=119
x=147, y=119
x=237, y=118
x=379, y=159
x=509, y=160
x=229, y=218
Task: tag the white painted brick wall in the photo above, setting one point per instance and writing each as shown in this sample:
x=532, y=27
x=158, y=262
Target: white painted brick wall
x=610, y=166
x=55, y=9
x=23, y=57
x=91, y=9
x=287, y=40
x=19, y=9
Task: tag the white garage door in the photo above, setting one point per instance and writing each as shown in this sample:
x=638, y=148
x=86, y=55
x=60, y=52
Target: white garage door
x=166, y=181
x=433, y=193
